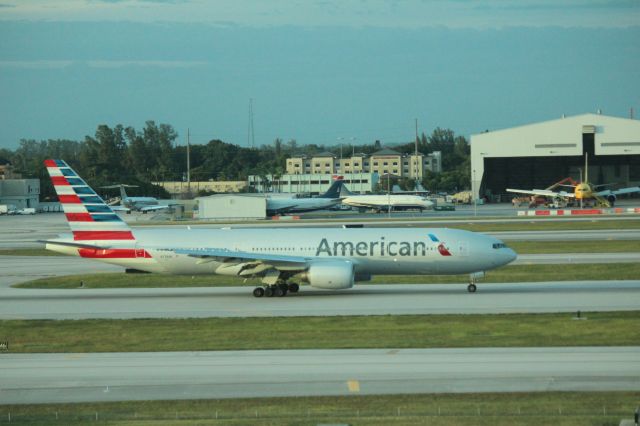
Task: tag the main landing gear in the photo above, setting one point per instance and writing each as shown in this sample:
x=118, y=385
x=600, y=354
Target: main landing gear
x=276, y=290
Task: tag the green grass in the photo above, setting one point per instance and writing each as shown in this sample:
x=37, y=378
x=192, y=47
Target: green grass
x=502, y=223
x=605, y=246
x=544, y=408
x=512, y=273
x=29, y=252
x=388, y=331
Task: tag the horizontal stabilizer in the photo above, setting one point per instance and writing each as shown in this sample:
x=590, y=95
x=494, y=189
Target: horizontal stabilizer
x=73, y=244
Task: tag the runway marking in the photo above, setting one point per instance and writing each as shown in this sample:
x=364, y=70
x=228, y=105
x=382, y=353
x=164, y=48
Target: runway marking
x=75, y=356
x=353, y=385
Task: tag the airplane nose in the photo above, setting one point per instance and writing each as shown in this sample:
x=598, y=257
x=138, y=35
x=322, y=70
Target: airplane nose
x=510, y=255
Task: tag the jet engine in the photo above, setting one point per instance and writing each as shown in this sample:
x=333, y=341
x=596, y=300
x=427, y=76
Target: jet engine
x=330, y=275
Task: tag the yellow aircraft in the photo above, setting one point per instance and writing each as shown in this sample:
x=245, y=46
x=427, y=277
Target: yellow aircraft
x=582, y=191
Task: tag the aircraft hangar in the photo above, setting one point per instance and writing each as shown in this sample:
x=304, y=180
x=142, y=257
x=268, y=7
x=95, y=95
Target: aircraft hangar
x=540, y=154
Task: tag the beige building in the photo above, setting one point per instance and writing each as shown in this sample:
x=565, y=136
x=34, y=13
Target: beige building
x=179, y=188
x=385, y=161
x=6, y=172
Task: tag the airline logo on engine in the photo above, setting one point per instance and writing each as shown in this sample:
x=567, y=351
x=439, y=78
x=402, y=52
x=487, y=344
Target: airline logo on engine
x=381, y=247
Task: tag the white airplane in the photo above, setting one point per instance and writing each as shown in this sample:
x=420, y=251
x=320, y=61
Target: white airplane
x=140, y=204
x=329, y=258
x=280, y=205
x=382, y=203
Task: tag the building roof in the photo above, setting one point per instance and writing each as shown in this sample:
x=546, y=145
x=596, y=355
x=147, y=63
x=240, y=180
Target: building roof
x=386, y=151
x=324, y=154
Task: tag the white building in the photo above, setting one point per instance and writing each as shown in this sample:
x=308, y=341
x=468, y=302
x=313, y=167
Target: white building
x=313, y=184
x=21, y=193
x=540, y=154
x=232, y=207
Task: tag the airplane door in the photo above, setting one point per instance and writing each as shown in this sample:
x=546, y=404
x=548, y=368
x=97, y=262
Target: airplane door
x=140, y=252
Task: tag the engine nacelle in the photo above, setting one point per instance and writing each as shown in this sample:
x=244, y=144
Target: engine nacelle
x=330, y=275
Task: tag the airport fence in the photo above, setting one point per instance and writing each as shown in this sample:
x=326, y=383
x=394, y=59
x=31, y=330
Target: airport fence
x=601, y=415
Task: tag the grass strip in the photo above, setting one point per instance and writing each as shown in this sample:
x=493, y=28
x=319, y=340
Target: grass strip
x=386, y=331
x=502, y=223
x=29, y=252
x=527, y=408
x=512, y=273
x=548, y=247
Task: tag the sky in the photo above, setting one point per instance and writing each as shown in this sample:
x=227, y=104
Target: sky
x=318, y=72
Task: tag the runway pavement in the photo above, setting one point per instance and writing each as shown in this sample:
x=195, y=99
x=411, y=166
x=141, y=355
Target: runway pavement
x=92, y=377
x=379, y=299
x=17, y=269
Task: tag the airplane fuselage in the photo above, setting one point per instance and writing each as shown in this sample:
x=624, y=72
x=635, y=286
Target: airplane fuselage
x=372, y=251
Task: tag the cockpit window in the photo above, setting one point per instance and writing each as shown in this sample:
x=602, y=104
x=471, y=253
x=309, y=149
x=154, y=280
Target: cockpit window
x=499, y=245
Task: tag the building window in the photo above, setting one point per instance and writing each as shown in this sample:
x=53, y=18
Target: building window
x=385, y=164
x=395, y=163
x=296, y=165
x=327, y=164
x=317, y=164
x=375, y=163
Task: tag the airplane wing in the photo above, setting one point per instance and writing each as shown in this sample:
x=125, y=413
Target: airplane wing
x=543, y=192
x=227, y=255
x=120, y=209
x=153, y=208
x=620, y=191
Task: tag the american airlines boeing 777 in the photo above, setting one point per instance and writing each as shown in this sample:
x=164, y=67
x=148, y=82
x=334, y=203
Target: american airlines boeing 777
x=330, y=258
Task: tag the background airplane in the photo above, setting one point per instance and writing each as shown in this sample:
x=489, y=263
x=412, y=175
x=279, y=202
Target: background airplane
x=326, y=258
x=582, y=191
x=383, y=203
x=140, y=204
x=281, y=205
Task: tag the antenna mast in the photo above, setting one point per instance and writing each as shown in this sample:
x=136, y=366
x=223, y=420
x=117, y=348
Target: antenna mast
x=188, y=163
x=416, y=136
x=251, y=138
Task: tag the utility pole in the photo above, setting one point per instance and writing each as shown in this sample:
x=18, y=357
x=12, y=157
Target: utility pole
x=416, y=136
x=188, y=163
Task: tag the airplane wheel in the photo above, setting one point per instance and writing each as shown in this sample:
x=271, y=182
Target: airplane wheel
x=293, y=287
x=284, y=288
x=258, y=292
x=471, y=288
x=268, y=292
x=278, y=292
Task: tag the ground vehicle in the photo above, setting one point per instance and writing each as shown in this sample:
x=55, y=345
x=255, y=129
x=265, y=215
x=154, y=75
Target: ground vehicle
x=7, y=209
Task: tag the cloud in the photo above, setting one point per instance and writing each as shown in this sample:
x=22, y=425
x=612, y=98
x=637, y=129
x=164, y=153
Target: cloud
x=48, y=64
x=407, y=14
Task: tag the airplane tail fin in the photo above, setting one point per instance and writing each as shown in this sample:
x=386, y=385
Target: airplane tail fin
x=344, y=192
x=334, y=190
x=89, y=217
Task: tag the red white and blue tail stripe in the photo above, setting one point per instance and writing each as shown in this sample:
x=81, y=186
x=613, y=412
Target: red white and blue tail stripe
x=89, y=217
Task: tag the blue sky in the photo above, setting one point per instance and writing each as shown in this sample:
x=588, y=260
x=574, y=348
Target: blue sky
x=316, y=70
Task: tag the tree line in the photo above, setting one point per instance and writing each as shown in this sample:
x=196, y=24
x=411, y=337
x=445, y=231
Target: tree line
x=126, y=155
